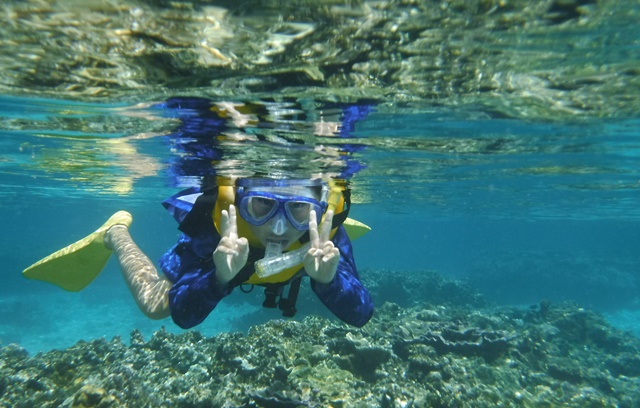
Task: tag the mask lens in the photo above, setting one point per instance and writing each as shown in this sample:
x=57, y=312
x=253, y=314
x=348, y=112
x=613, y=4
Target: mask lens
x=299, y=211
x=260, y=209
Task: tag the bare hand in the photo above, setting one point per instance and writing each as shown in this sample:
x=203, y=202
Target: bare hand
x=321, y=260
x=232, y=252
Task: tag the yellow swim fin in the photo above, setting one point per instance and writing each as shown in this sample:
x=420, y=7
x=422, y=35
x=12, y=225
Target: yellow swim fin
x=355, y=229
x=74, y=267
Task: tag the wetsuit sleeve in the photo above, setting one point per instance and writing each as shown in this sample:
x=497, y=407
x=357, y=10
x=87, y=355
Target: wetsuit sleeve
x=195, y=293
x=346, y=296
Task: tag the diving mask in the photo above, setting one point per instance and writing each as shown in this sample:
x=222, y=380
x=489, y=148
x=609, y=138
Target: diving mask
x=258, y=207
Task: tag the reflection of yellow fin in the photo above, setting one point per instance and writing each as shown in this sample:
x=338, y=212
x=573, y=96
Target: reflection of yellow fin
x=355, y=229
x=74, y=267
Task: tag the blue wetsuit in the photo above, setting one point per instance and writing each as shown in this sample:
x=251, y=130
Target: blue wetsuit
x=189, y=266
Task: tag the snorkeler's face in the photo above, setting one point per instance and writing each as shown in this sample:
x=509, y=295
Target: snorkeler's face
x=287, y=222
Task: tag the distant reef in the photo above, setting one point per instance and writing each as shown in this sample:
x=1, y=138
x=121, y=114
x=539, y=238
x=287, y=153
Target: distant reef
x=593, y=279
x=422, y=356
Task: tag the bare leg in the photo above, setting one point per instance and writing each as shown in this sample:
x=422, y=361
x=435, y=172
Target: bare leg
x=150, y=291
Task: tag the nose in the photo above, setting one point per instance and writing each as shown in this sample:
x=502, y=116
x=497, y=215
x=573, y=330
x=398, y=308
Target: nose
x=279, y=224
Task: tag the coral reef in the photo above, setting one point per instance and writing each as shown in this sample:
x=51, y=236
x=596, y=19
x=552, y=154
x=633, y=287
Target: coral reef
x=405, y=289
x=550, y=355
x=420, y=286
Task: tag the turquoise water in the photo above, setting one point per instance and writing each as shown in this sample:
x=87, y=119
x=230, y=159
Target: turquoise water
x=524, y=210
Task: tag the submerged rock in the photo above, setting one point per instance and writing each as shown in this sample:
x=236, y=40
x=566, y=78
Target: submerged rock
x=420, y=356
x=91, y=396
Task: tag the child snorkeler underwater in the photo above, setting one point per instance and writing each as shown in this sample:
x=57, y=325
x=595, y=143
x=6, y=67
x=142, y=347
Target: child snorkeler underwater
x=267, y=231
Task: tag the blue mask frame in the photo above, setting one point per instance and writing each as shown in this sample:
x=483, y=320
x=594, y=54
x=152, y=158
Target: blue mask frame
x=292, y=207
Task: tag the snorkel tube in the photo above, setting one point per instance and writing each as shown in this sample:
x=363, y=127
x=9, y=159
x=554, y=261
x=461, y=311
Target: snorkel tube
x=269, y=266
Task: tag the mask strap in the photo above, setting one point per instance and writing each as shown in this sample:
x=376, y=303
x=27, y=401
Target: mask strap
x=341, y=217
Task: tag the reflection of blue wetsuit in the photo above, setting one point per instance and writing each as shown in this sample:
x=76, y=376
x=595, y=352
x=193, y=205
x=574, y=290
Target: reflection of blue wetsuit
x=195, y=139
x=189, y=265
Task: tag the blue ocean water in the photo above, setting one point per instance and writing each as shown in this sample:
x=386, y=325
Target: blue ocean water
x=524, y=211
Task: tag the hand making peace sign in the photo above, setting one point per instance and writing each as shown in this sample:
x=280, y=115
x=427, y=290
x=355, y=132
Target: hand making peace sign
x=232, y=251
x=321, y=260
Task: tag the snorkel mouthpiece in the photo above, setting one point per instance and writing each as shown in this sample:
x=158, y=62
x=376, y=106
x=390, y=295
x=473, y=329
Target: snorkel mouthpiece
x=273, y=249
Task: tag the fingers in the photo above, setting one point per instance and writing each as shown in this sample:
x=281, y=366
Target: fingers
x=333, y=254
x=224, y=224
x=325, y=230
x=314, y=238
x=319, y=239
x=321, y=264
x=227, y=246
x=229, y=223
x=230, y=256
x=243, y=246
x=326, y=252
x=329, y=251
x=233, y=223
